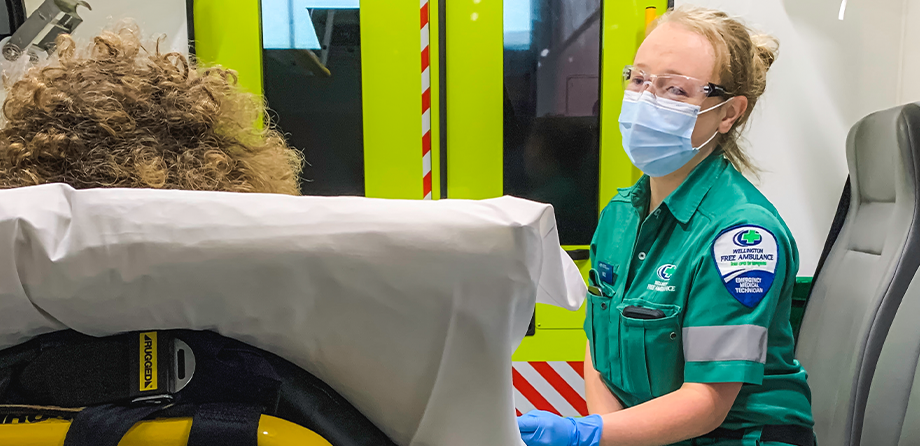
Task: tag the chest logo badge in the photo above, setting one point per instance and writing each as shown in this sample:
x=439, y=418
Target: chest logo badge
x=666, y=271
x=662, y=275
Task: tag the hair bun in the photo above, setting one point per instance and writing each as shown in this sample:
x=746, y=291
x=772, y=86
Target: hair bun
x=766, y=48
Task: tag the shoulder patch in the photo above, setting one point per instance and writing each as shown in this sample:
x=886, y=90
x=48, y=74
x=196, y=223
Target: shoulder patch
x=746, y=258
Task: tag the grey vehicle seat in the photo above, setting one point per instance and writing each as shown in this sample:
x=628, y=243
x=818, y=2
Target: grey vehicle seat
x=865, y=274
x=894, y=395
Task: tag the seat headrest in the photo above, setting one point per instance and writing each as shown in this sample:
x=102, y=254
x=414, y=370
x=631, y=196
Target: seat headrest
x=873, y=146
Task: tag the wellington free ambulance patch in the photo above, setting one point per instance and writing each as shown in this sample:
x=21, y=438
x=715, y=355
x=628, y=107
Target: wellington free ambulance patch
x=746, y=257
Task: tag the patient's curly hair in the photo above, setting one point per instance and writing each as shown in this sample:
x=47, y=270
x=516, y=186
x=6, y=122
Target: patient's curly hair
x=117, y=114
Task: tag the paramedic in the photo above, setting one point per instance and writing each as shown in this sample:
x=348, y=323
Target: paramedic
x=689, y=339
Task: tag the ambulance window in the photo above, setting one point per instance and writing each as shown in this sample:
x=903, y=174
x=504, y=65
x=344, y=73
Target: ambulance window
x=312, y=77
x=552, y=103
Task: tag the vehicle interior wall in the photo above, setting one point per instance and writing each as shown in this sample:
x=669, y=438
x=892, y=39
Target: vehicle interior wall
x=910, y=57
x=839, y=61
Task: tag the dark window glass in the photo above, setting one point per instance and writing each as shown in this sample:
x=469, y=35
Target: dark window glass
x=552, y=91
x=312, y=75
x=7, y=16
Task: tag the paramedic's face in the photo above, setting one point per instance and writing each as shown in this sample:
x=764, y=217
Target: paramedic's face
x=673, y=49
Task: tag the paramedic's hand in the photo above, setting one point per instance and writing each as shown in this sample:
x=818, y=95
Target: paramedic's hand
x=539, y=428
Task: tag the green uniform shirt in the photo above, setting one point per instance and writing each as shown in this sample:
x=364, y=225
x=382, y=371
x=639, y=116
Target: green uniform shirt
x=698, y=291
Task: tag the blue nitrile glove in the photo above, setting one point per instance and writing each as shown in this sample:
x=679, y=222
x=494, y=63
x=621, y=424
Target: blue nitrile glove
x=539, y=428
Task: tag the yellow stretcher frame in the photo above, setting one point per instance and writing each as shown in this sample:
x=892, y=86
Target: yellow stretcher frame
x=161, y=432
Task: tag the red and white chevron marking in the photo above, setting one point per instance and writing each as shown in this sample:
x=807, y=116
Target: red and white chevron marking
x=426, y=103
x=557, y=387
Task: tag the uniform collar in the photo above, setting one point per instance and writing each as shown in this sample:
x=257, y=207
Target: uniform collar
x=685, y=200
x=638, y=193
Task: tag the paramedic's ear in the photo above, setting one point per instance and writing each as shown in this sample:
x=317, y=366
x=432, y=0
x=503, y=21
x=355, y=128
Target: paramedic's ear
x=733, y=110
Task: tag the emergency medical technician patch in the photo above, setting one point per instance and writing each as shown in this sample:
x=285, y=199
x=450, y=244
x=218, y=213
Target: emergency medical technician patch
x=746, y=258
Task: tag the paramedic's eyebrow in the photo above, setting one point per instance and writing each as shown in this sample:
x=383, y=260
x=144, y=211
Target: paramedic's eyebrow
x=644, y=68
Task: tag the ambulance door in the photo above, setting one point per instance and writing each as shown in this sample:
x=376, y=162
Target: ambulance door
x=346, y=81
x=561, y=93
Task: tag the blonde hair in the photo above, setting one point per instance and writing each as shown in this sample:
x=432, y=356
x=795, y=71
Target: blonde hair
x=743, y=57
x=116, y=114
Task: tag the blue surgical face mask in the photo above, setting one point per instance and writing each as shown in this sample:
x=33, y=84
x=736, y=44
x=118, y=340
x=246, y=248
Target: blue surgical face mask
x=656, y=132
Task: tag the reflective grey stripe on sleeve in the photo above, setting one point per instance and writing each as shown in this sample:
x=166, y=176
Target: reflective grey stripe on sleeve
x=725, y=343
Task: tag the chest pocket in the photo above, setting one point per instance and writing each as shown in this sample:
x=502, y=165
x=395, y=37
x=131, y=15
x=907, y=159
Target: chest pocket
x=646, y=354
x=597, y=327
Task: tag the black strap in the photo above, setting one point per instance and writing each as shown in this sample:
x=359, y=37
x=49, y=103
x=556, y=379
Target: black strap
x=212, y=424
x=225, y=425
x=788, y=434
x=69, y=369
x=105, y=425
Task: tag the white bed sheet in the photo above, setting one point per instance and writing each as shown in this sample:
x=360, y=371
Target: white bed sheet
x=409, y=309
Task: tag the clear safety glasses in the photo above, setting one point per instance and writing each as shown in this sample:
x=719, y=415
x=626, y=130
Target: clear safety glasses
x=671, y=86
